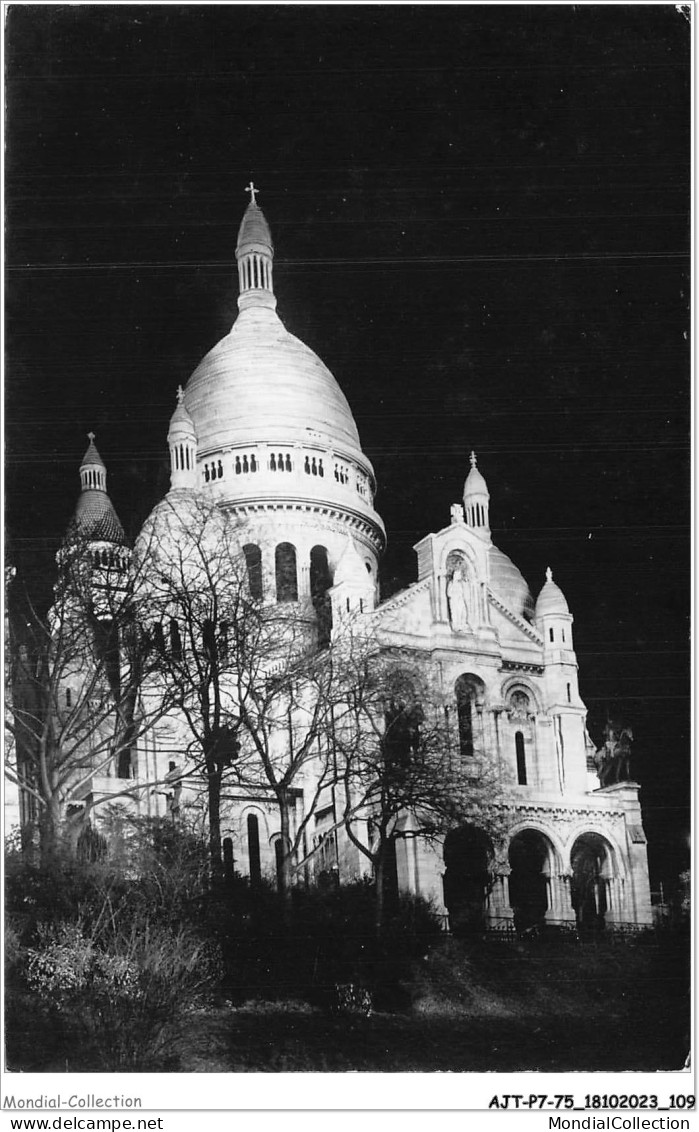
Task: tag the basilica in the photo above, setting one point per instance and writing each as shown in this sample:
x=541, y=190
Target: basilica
x=263, y=433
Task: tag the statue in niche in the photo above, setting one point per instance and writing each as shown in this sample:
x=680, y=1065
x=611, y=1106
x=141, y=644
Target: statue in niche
x=457, y=513
x=457, y=593
x=519, y=706
x=613, y=760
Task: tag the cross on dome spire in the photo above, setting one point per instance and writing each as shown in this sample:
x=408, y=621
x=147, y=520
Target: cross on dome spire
x=254, y=253
x=180, y=394
x=90, y=436
x=472, y=460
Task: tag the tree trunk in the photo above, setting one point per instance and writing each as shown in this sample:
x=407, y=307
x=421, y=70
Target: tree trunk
x=58, y=835
x=214, y=775
x=380, y=883
x=284, y=871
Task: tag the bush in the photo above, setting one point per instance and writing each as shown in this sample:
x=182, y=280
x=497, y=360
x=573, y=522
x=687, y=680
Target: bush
x=119, y=995
x=320, y=941
x=111, y=956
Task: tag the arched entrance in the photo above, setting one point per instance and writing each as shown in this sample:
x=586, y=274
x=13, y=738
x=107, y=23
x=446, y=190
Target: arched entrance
x=590, y=863
x=530, y=861
x=468, y=855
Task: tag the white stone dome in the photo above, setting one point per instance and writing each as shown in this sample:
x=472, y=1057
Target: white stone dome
x=509, y=585
x=261, y=384
x=551, y=599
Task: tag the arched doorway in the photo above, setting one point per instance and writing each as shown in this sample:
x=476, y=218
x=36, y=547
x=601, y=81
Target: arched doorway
x=590, y=864
x=468, y=855
x=529, y=856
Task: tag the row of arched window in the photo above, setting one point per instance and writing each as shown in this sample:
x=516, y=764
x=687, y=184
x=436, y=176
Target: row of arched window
x=278, y=462
x=286, y=573
x=213, y=471
x=102, y=558
x=244, y=465
x=312, y=467
x=475, y=515
x=94, y=478
x=181, y=457
x=255, y=272
x=167, y=639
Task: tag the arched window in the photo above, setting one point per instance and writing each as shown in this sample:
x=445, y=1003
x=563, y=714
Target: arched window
x=320, y=584
x=254, y=849
x=158, y=637
x=175, y=641
x=285, y=571
x=69, y=698
x=550, y=634
x=208, y=634
x=465, y=690
x=253, y=562
x=521, y=759
x=279, y=859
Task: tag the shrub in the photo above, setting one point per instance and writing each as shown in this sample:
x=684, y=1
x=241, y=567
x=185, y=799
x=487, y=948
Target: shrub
x=121, y=993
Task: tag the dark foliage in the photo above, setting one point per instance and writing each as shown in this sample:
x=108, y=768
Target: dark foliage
x=327, y=939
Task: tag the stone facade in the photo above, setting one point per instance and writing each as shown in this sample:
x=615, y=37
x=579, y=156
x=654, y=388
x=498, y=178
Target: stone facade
x=263, y=431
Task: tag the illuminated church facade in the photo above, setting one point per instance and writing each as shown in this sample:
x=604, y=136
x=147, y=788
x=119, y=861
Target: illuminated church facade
x=263, y=431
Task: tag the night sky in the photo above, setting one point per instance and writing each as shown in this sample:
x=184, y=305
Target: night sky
x=481, y=224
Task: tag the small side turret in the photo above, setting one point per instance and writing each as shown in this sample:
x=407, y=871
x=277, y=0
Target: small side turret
x=182, y=442
x=353, y=590
x=477, y=501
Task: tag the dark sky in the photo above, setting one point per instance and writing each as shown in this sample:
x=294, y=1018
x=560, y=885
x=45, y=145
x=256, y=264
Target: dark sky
x=481, y=224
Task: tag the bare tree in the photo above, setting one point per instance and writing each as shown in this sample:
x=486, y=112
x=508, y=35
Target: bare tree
x=245, y=676
x=399, y=766
x=196, y=609
x=74, y=712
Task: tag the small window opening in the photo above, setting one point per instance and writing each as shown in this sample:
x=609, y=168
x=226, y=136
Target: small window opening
x=521, y=759
x=568, y=691
x=175, y=641
x=285, y=571
x=550, y=634
x=254, y=849
x=253, y=562
x=69, y=698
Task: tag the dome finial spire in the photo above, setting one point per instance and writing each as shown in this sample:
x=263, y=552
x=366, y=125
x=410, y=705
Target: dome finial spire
x=472, y=459
x=180, y=394
x=252, y=190
x=90, y=436
x=549, y=574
